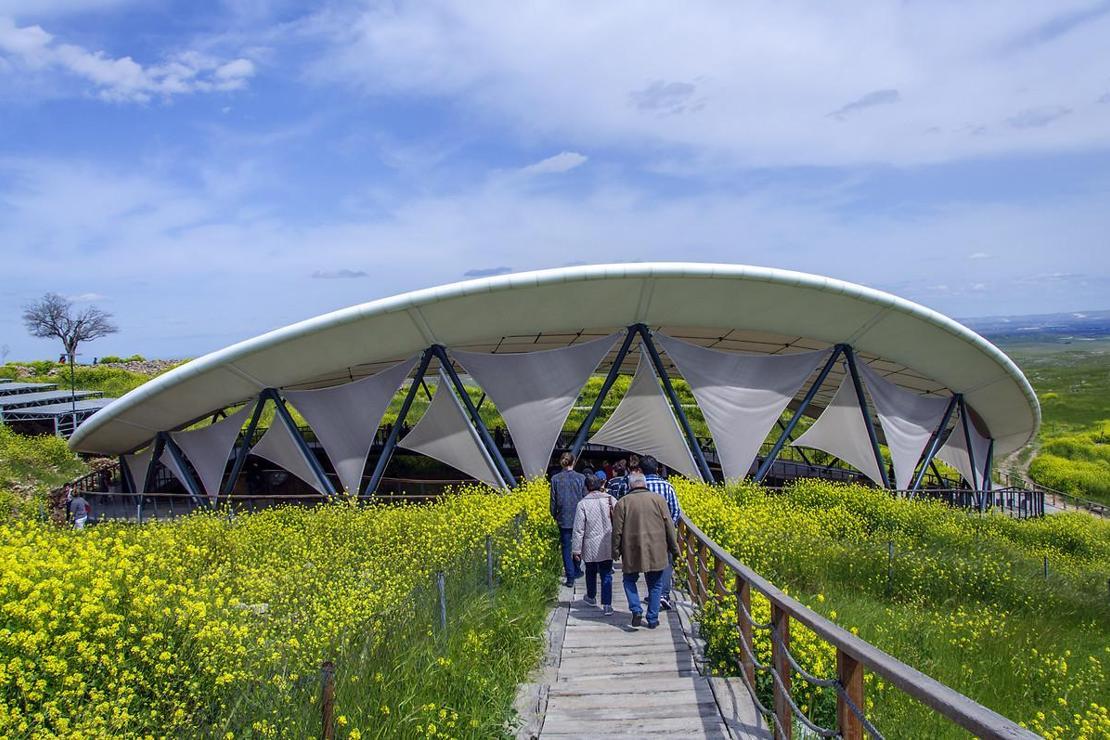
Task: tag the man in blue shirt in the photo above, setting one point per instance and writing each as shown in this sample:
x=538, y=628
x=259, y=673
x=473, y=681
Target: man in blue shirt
x=567, y=489
x=650, y=468
x=617, y=486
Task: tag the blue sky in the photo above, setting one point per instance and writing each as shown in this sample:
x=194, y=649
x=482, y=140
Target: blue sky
x=208, y=171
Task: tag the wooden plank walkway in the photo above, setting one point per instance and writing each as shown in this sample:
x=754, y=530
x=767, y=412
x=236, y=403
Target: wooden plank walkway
x=613, y=680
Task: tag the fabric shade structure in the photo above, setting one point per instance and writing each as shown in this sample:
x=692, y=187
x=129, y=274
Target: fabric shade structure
x=842, y=432
x=345, y=418
x=138, y=464
x=208, y=448
x=168, y=460
x=908, y=420
x=740, y=395
x=643, y=423
x=445, y=433
x=534, y=392
x=954, y=452
x=278, y=446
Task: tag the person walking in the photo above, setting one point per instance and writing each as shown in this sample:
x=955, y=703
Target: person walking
x=643, y=538
x=592, y=542
x=79, y=510
x=617, y=486
x=567, y=489
x=650, y=468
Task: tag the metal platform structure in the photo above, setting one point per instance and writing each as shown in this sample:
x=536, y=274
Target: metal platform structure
x=59, y=419
x=12, y=387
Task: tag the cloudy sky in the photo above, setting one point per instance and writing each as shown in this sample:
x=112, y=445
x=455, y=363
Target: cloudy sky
x=207, y=171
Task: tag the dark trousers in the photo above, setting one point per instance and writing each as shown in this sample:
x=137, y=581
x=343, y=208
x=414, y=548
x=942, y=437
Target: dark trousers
x=570, y=568
x=603, y=568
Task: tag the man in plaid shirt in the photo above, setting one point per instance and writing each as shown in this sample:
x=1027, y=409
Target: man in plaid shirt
x=649, y=466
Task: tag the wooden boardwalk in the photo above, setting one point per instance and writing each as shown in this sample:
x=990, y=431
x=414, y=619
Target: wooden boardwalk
x=608, y=679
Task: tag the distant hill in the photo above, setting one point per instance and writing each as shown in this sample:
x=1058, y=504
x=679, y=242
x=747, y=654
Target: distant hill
x=1076, y=326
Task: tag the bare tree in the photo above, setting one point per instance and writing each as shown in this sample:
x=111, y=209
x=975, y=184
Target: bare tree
x=54, y=316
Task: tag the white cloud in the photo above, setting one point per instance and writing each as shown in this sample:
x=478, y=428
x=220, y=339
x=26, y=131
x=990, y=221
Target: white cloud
x=978, y=256
x=86, y=297
x=31, y=49
x=561, y=162
x=752, y=84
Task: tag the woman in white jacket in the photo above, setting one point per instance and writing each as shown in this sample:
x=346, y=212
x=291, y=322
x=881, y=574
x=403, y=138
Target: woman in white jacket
x=591, y=542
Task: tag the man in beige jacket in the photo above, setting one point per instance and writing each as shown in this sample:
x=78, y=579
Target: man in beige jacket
x=643, y=535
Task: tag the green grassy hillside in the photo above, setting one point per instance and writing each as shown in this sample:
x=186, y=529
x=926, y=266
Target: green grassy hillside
x=1073, y=385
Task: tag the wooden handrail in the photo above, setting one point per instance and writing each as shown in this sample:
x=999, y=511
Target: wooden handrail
x=854, y=655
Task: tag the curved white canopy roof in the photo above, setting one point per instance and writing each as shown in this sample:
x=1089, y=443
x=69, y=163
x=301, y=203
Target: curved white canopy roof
x=728, y=307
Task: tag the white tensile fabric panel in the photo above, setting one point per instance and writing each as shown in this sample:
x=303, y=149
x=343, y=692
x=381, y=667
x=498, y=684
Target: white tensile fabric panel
x=954, y=452
x=278, y=446
x=842, y=432
x=445, y=433
x=740, y=395
x=208, y=448
x=346, y=418
x=909, y=420
x=643, y=423
x=137, y=465
x=535, y=391
x=172, y=466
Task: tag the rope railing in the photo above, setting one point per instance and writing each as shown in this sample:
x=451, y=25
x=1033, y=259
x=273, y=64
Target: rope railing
x=853, y=655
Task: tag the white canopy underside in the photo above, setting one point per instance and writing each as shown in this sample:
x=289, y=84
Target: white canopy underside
x=724, y=307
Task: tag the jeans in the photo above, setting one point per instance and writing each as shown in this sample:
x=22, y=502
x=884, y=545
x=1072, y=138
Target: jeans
x=570, y=568
x=654, y=580
x=603, y=568
x=668, y=578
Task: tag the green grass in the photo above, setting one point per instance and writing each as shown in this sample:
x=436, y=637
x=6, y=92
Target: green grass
x=29, y=468
x=1072, y=382
x=418, y=680
x=966, y=600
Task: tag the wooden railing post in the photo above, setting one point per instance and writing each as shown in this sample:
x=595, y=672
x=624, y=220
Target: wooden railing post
x=703, y=572
x=780, y=624
x=849, y=672
x=692, y=566
x=743, y=609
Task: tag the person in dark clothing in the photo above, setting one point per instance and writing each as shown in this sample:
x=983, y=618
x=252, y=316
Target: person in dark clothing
x=567, y=489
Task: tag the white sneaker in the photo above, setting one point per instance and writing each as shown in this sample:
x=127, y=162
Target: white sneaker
x=608, y=611
x=589, y=601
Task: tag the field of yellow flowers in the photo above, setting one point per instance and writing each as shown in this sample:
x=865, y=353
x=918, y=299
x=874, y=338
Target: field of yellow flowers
x=965, y=599
x=219, y=626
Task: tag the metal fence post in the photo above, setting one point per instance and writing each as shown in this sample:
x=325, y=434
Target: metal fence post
x=489, y=562
x=327, y=699
x=889, y=566
x=441, y=586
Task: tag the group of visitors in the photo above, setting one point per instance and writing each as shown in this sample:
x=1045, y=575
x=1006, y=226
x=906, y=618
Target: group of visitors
x=630, y=515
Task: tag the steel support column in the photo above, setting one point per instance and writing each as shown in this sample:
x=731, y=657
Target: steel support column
x=158, y=445
x=178, y=456
x=395, y=432
x=966, y=422
x=245, y=447
x=610, y=378
x=310, y=458
x=789, y=428
x=988, y=485
x=483, y=432
x=691, y=439
x=850, y=355
x=934, y=442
